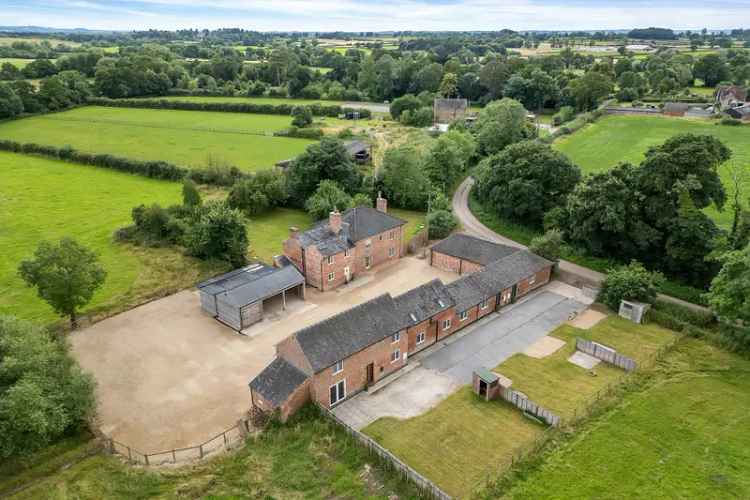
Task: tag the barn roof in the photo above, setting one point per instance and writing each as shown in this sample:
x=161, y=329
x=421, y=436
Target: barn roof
x=473, y=249
x=510, y=270
x=340, y=336
x=739, y=112
x=423, y=302
x=251, y=283
x=278, y=381
x=468, y=292
x=676, y=107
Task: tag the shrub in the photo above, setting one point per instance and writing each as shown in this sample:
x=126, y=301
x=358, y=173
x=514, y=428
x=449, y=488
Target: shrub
x=421, y=117
x=564, y=115
x=548, y=245
x=328, y=197
x=301, y=116
x=300, y=133
x=190, y=195
x=441, y=223
x=631, y=282
x=732, y=122
x=218, y=232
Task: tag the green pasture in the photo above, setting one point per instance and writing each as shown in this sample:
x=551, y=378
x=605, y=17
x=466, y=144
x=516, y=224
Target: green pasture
x=43, y=199
x=187, y=138
x=18, y=63
x=684, y=435
x=276, y=101
x=612, y=139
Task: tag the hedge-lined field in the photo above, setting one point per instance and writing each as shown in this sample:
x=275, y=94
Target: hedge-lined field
x=613, y=139
x=186, y=138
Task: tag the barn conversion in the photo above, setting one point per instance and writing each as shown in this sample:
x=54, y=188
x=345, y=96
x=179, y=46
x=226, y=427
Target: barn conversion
x=236, y=298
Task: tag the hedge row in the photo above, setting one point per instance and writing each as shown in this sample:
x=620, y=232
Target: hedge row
x=231, y=107
x=300, y=133
x=154, y=169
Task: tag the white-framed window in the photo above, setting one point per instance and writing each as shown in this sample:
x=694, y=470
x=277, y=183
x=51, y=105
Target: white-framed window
x=420, y=338
x=446, y=324
x=396, y=337
x=395, y=355
x=392, y=235
x=391, y=252
x=338, y=392
x=338, y=367
x=331, y=276
x=532, y=280
x=463, y=315
x=483, y=304
x=329, y=260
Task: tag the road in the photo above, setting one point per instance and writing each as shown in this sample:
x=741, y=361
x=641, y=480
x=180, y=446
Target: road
x=568, y=271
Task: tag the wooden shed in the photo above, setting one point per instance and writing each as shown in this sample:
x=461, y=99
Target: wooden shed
x=236, y=298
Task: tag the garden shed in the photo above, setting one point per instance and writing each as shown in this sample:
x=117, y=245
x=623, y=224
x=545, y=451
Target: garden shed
x=237, y=298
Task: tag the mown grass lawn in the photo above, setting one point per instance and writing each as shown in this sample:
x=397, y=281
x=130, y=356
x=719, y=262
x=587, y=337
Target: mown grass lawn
x=43, y=199
x=267, y=232
x=18, y=63
x=307, y=458
x=464, y=440
x=685, y=435
x=614, y=139
x=186, y=138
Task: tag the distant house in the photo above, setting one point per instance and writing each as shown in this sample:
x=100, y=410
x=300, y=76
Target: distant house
x=740, y=112
x=676, y=108
x=332, y=360
x=449, y=110
x=359, y=151
x=729, y=96
x=237, y=298
x=334, y=251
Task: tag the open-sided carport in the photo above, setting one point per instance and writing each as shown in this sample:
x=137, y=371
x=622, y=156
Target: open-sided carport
x=236, y=298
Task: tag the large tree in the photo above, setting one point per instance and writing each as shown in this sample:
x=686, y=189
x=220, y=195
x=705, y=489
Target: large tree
x=449, y=158
x=327, y=159
x=588, y=90
x=712, y=69
x=500, y=124
x=65, y=275
x=402, y=178
x=526, y=180
x=328, y=197
x=218, y=233
x=729, y=296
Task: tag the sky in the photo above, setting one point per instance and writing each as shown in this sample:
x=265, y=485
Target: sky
x=376, y=15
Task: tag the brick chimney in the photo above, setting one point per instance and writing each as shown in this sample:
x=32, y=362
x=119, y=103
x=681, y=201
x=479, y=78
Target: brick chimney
x=382, y=204
x=334, y=221
x=293, y=233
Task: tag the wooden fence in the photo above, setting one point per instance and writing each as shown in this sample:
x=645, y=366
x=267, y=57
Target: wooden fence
x=521, y=401
x=605, y=354
x=425, y=486
x=226, y=440
x=631, y=111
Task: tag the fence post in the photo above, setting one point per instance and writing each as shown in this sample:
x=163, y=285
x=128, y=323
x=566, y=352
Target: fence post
x=174, y=457
x=226, y=444
x=145, y=456
x=130, y=455
x=201, y=450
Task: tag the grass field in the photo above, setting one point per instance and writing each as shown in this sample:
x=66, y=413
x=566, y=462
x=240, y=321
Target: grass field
x=601, y=145
x=685, y=435
x=308, y=458
x=18, y=63
x=465, y=439
x=183, y=137
x=43, y=199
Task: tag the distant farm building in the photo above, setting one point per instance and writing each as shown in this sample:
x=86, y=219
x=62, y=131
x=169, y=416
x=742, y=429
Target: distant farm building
x=449, y=110
x=740, y=112
x=359, y=151
x=730, y=96
x=237, y=298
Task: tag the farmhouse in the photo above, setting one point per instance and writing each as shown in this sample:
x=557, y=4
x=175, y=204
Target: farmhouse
x=449, y=110
x=236, y=298
x=336, y=250
x=350, y=352
x=730, y=96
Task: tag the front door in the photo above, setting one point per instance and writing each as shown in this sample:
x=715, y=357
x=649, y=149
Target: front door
x=368, y=262
x=347, y=274
x=370, y=373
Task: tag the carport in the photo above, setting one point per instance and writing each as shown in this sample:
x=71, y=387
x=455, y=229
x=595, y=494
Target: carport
x=237, y=298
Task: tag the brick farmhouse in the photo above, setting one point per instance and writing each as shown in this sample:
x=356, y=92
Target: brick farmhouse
x=336, y=250
x=347, y=353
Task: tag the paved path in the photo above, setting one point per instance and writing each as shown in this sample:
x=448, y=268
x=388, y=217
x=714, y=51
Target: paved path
x=567, y=270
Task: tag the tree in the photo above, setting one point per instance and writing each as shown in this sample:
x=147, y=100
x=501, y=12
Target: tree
x=40, y=68
x=43, y=392
x=493, y=76
x=328, y=197
x=403, y=180
x=441, y=223
x=258, y=192
x=631, y=282
x=190, y=195
x=408, y=102
x=712, y=69
x=548, y=245
x=218, y=233
x=588, y=90
x=500, y=124
x=729, y=295
x=327, y=159
x=301, y=116
x=428, y=78
x=65, y=275
x=10, y=104
x=367, y=76
x=526, y=180
x=449, y=158
x=421, y=117
x=449, y=85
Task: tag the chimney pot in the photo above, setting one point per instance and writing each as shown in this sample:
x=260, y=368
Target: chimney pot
x=382, y=204
x=294, y=232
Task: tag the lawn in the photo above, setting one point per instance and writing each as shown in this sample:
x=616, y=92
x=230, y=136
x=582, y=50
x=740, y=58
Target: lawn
x=310, y=457
x=18, y=63
x=183, y=137
x=684, y=435
x=267, y=232
x=43, y=199
x=462, y=440
x=613, y=139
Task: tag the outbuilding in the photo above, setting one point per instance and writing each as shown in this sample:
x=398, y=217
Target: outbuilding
x=237, y=298
x=462, y=253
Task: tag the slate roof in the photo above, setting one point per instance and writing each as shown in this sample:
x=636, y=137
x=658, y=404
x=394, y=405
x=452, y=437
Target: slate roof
x=251, y=283
x=354, y=147
x=358, y=223
x=423, y=302
x=676, y=107
x=510, y=270
x=278, y=381
x=468, y=292
x=340, y=336
x=740, y=112
x=474, y=249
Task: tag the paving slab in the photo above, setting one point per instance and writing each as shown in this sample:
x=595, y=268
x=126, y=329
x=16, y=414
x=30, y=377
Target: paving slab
x=584, y=360
x=544, y=347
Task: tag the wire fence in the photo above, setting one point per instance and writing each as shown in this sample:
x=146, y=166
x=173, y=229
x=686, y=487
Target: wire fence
x=224, y=441
x=424, y=485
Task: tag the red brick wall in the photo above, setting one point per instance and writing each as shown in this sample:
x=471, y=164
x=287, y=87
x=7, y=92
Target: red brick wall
x=293, y=250
x=355, y=369
x=453, y=264
x=541, y=278
x=340, y=261
x=448, y=314
x=290, y=350
x=379, y=249
x=491, y=302
x=296, y=400
x=429, y=328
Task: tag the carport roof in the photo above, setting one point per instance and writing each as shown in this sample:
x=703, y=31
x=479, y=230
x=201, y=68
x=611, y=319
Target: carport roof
x=278, y=381
x=338, y=337
x=474, y=249
x=252, y=283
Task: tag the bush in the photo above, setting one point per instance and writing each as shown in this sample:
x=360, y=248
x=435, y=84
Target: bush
x=631, y=282
x=218, y=232
x=421, y=117
x=441, y=223
x=564, y=115
x=301, y=116
x=300, y=133
x=732, y=122
x=328, y=197
x=258, y=192
x=548, y=245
